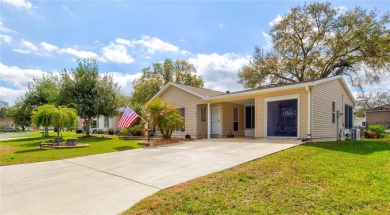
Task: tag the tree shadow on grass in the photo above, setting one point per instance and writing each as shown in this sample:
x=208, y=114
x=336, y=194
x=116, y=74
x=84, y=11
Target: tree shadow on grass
x=362, y=147
x=30, y=144
x=123, y=148
x=23, y=139
x=29, y=150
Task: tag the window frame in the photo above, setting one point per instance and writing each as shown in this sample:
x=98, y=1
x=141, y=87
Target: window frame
x=348, y=116
x=106, y=122
x=252, y=117
x=203, y=114
x=236, y=119
x=183, y=115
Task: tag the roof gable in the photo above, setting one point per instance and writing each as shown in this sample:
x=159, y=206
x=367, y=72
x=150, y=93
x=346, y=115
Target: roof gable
x=207, y=94
x=199, y=92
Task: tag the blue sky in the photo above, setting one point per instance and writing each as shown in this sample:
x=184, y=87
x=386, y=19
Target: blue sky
x=218, y=37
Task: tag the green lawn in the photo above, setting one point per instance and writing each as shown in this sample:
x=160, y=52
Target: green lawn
x=24, y=149
x=318, y=178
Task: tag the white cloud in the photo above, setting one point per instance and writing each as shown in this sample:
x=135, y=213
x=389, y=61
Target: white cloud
x=220, y=25
x=5, y=38
x=153, y=45
x=18, y=77
x=220, y=72
x=268, y=40
x=341, y=9
x=22, y=51
x=48, y=47
x=4, y=29
x=26, y=47
x=29, y=45
x=116, y=53
x=125, y=81
x=80, y=54
x=18, y=3
x=66, y=9
x=10, y=95
x=123, y=42
x=275, y=21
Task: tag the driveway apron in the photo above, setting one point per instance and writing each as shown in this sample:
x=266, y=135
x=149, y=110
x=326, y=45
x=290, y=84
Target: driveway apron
x=111, y=183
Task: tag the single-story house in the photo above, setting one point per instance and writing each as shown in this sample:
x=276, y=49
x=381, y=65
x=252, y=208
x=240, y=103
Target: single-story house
x=319, y=109
x=379, y=115
x=104, y=123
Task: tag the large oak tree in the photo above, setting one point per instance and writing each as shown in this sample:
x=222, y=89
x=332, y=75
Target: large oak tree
x=315, y=40
x=91, y=94
x=152, y=80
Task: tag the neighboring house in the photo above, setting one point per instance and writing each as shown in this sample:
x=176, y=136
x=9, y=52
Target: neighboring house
x=359, y=122
x=103, y=123
x=379, y=115
x=301, y=110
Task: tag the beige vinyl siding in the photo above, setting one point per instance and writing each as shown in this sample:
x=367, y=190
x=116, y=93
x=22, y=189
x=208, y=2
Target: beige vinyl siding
x=302, y=111
x=182, y=99
x=381, y=117
x=227, y=119
x=201, y=126
x=323, y=96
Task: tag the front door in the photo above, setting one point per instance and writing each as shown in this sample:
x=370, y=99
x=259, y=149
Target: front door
x=215, y=120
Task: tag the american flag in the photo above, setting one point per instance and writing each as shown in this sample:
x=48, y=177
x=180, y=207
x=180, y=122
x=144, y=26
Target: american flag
x=128, y=117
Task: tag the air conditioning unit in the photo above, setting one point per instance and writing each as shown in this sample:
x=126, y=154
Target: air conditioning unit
x=355, y=134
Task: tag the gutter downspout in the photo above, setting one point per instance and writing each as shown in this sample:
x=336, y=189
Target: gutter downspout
x=308, y=112
x=208, y=121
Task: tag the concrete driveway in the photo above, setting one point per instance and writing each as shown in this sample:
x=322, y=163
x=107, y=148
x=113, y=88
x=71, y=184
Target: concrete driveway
x=111, y=183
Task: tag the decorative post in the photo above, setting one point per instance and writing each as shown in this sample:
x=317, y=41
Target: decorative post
x=148, y=118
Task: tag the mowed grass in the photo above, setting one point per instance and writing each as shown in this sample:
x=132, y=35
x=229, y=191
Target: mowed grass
x=24, y=149
x=348, y=177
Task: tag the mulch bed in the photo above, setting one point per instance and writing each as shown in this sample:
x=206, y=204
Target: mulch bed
x=161, y=142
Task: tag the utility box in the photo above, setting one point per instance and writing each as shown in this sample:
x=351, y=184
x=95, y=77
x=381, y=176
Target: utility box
x=355, y=134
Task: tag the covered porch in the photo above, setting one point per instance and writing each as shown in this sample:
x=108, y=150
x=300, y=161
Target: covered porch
x=239, y=118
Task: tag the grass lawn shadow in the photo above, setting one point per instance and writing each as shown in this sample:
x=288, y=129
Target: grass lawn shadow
x=123, y=148
x=29, y=150
x=31, y=144
x=23, y=139
x=362, y=147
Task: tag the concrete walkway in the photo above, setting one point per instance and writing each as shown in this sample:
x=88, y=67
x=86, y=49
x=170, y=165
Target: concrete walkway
x=111, y=183
x=4, y=136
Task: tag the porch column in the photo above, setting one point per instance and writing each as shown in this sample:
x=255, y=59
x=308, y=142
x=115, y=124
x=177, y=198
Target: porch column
x=208, y=121
x=308, y=112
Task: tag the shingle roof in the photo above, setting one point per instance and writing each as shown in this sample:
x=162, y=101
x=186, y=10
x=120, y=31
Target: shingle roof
x=200, y=91
x=382, y=107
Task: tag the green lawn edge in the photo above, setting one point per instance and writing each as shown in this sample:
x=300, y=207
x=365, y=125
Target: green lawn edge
x=346, y=177
x=23, y=149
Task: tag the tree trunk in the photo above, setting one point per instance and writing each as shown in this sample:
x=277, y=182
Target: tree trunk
x=58, y=132
x=88, y=126
x=46, y=131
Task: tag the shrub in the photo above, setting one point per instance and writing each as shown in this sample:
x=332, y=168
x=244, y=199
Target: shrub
x=167, y=117
x=135, y=130
x=379, y=131
x=111, y=131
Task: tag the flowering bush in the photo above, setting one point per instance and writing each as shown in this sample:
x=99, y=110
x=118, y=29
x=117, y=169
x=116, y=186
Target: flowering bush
x=377, y=131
